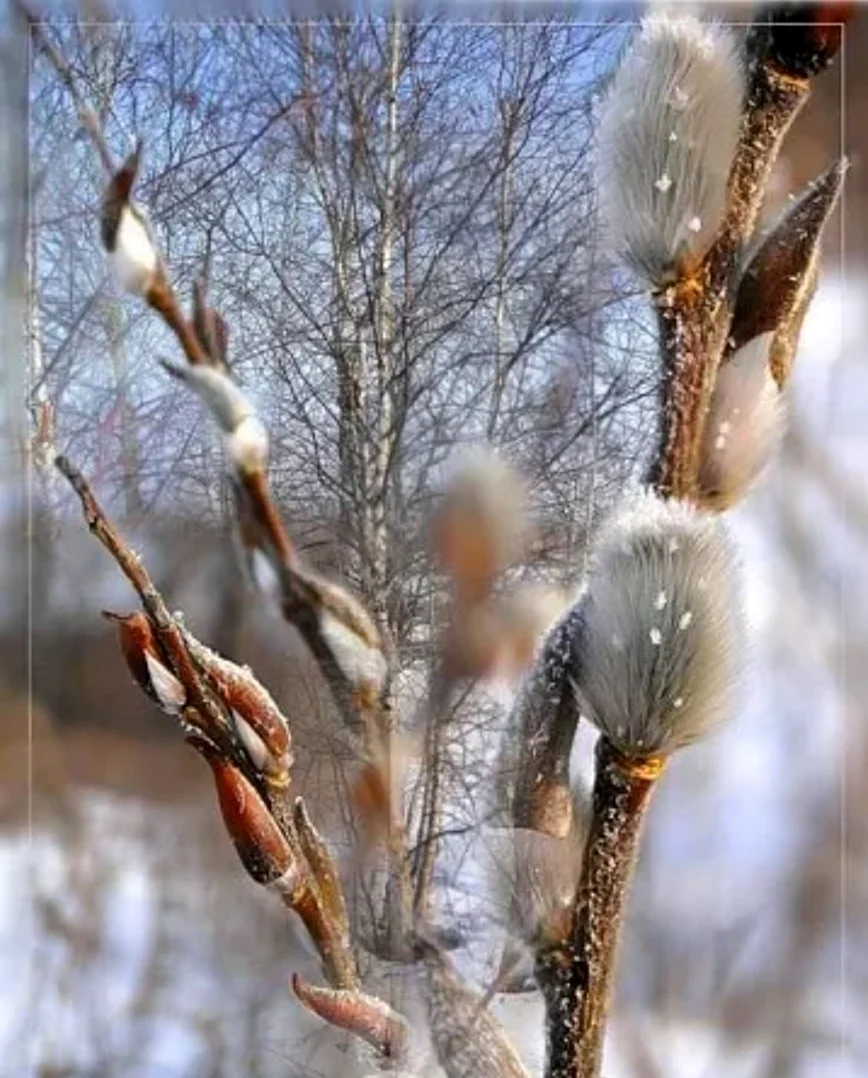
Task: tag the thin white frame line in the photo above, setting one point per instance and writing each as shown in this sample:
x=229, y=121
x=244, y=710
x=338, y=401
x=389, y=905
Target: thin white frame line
x=846, y=1056
x=554, y=23
x=28, y=486
x=465, y=23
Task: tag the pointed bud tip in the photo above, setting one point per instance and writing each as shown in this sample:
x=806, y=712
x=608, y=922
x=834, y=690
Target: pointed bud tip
x=799, y=40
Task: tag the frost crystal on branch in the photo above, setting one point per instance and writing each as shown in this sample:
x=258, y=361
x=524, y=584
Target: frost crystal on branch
x=655, y=678
x=668, y=135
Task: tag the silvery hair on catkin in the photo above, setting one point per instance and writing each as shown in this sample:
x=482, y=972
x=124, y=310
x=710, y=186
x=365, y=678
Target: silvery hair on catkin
x=668, y=134
x=657, y=662
x=744, y=426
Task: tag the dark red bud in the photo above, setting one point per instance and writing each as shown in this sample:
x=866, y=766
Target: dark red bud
x=261, y=845
x=146, y=661
x=799, y=40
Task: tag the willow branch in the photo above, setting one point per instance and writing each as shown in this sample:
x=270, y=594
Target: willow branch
x=166, y=626
x=283, y=853
x=577, y=974
x=694, y=312
x=279, y=847
x=87, y=114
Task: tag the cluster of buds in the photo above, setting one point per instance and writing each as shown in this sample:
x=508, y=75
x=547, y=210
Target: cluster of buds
x=343, y=628
x=254, y=719
x=139, y=270
x=652, y=648
x=669, y=135
x=257, y=721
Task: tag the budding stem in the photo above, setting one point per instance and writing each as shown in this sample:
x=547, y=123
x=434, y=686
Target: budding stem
x=577, y=974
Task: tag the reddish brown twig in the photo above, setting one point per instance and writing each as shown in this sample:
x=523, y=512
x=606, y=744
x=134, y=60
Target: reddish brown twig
x=367, y=1017
x=279, y=850
x=165, y=625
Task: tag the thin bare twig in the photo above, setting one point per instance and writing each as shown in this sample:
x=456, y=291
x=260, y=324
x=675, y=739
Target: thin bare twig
x=87, y=114
x=252, y=813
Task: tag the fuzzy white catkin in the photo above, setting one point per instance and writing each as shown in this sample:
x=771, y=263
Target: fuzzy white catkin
x=486, y=488
x=668, y=133
x=657, y=663
x=224, y=399
x=134, y=256
x=744, y=426
x=246, y=437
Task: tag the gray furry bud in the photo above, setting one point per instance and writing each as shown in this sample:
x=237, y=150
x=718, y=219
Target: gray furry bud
x=744, y=425
x=657, y=662
x=246, y=437
x=224, y=399
x=668, y=135
x=482, y=525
